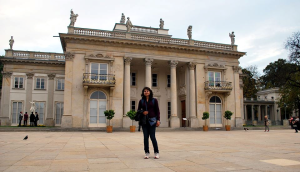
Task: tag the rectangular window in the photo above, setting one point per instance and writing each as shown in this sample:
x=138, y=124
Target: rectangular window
x=59, y=112
x=169, y=80
x=133, y=105
x=154, y=80
x=99, y=71
x=60, y=84
x=132, y=79
x=169, y=109
x=214, y=79
x=17, y=108
x=40, y=83
x=40, y=109
x=19, y=82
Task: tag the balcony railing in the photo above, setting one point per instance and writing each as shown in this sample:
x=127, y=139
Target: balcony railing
x=102, y=79
x=34, y=55
x=218, y=85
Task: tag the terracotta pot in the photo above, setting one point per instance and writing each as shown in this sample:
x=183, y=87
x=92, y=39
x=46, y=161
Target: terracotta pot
x=205, y=128
x=132, y=128
x=109, y=129
x=227, y=127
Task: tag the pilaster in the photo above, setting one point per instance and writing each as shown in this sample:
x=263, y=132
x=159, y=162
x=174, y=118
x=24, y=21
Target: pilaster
x=29, y=88
x=5, y=98
x=50, y=115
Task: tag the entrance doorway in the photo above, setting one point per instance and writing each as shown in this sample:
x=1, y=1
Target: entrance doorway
x=183, y=114
x=215, y=112
x=98, y=104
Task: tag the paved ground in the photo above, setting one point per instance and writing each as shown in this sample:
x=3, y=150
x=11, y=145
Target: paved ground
x=254, y=150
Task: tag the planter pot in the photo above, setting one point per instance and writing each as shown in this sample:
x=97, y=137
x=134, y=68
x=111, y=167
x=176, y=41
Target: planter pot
x=227, y=127
x=109, y=129
x=205, y=128
x=132, y=128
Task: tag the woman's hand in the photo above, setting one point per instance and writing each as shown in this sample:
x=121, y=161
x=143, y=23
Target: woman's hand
x=145, y=112
x=157, y=124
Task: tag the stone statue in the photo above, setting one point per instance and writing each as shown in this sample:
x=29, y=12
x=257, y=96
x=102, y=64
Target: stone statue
x=11, y=42
x=189, y=32
x=232, y=38
x=32, y=108
x=128, y=24
x=162, y=23
x=73, y=18
x=122, y=19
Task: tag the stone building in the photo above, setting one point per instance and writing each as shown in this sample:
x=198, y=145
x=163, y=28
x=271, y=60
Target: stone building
x=102, y=70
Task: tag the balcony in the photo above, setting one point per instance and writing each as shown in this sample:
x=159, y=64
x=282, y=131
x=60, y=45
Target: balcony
x=105, y=80
x=218, y=86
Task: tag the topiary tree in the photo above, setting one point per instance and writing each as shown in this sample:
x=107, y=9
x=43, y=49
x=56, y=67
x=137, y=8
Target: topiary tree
x=131, y=114
x=228, y=115
x=205, y=117
x=109, y=114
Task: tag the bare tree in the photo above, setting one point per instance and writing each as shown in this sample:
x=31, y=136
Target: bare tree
x=293, y=45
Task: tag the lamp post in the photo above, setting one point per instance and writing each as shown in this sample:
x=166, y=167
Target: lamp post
x=285, y=110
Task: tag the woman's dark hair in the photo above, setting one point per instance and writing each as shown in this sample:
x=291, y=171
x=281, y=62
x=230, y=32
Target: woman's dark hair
x=151, y=93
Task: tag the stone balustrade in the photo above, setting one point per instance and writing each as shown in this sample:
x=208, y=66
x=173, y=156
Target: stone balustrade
x=259, y=99
x=217, y=85
x=34, y=55
x=99, y=79
x=150, y=38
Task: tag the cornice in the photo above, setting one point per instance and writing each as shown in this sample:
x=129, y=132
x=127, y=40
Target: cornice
x=74, y=38
x=32, y=61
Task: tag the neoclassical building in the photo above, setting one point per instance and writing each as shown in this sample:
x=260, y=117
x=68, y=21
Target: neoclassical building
x=102, y=70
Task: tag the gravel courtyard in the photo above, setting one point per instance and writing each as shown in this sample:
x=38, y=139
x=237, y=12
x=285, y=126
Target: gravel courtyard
x=253, y=150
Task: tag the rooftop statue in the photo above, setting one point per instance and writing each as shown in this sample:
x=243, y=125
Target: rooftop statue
x=162, y=23
x=73, y=18
x=128, y=24
x=122, y=19
x=189, y=32
x=11, y=42
x=232, y=38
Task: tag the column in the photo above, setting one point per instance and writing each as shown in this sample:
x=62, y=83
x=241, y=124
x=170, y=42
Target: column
x=252, y=112
x=245, y=111
x=192, y=107
x=126, y=120
x=85, y=123
x=175, y=122
x=50, y=114
x=67, y=119
x=29, y=92
x=148, y=62
x=237, y=97
x=259, y=113
x=266, y=110
x=5, y=98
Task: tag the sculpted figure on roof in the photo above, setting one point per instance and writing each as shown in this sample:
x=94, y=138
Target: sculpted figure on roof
x=122, y=19
x=189, y=32
x=232, y=38
x=162, y=23
x=128, y=24
x=11, y=42
x=73, y=18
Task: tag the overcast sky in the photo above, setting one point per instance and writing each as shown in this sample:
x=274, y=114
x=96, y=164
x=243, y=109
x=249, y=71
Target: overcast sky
x=261, y=26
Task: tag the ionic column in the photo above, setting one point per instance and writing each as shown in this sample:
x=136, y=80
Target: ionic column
x=67, y=119
x=175, y=122
x=5, y=98
x=29, y=92
x=126, y=120
x=192, y=106
x=266, y=110
x=148, y=62
x=259, y=113
x=245, y=111
x=252, y=112
x=50, y=115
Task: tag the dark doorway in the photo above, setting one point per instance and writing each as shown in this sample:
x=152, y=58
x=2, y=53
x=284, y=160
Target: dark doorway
x=183, y=115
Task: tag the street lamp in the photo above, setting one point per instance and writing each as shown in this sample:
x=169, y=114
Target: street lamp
x=285, y=110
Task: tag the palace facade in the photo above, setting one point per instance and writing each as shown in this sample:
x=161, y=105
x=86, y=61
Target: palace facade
x=101, y=70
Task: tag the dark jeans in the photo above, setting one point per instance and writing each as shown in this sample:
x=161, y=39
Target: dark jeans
x=25, y=123
x=20, y=122
x=149, y=131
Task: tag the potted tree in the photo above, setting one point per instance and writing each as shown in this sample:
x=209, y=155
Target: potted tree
x=205, y=117
x=131, y=114
x=227, y=116
x=109, y=115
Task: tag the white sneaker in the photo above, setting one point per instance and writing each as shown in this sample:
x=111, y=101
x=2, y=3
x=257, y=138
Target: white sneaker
x=147, y=156
x=156, y=156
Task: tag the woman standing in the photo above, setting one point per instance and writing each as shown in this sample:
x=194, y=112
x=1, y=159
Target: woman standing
x=266, y=123
x=151, y=110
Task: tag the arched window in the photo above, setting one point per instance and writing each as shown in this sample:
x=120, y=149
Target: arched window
x=215, y=111
x=98, y=95
x=98, y=103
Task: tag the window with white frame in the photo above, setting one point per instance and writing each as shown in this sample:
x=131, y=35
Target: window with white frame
x=99, y=71
x=154, y=80
x=40, y=109
x=214, y=78
x=169, y=109
x=59, y=112
x=19, y=82
x=168, y=80
x=40, y=83
x=132, y=79
x=16, y=109
x=133, y=105
x=60, y=84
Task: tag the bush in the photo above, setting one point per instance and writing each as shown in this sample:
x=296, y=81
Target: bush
x=109, y=114
x=205, y=115
x=131, y=114
x=228, y=115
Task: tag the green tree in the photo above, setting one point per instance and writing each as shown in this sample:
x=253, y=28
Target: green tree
x=250, y=85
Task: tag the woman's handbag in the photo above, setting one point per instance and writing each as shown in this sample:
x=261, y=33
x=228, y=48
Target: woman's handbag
x=152, y=121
